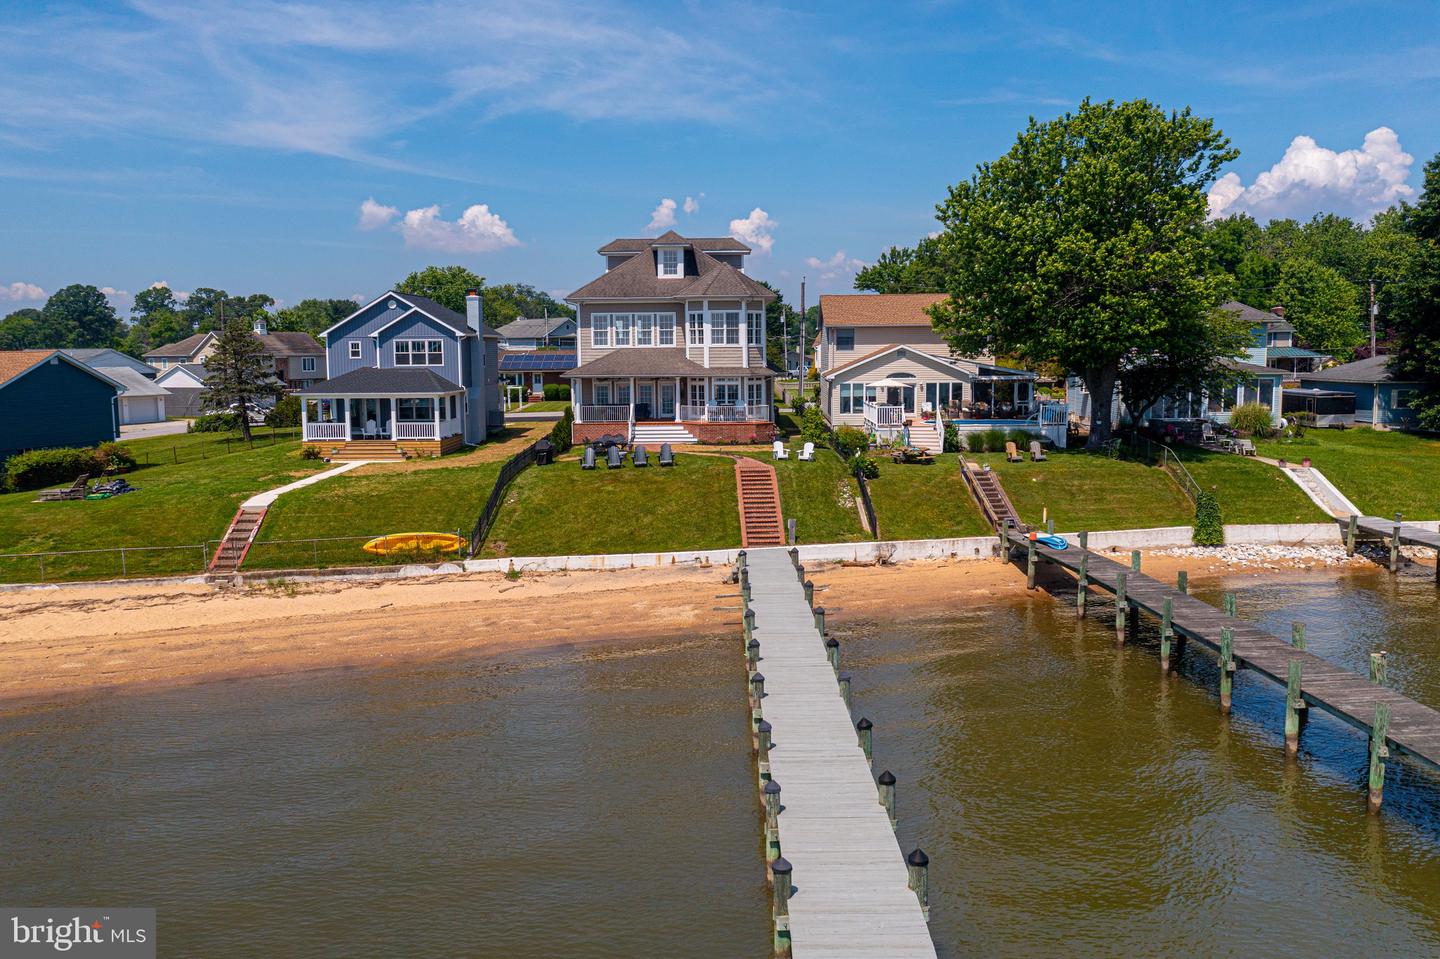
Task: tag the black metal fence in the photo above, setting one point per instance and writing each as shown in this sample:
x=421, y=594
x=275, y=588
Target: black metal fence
x=512, y=468
x=867, y=503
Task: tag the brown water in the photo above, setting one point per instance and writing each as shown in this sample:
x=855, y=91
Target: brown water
x=601, y=803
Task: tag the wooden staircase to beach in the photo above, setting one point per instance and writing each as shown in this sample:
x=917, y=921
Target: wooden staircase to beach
x=373, y=451
x=994, y=504
x=236, y=542
x=760, y=520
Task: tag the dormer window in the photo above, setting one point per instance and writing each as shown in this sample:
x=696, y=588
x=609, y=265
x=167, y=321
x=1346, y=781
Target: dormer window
x=670, y=261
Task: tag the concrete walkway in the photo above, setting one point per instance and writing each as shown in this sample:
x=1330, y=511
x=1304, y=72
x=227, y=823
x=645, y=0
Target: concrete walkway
x=263, y=500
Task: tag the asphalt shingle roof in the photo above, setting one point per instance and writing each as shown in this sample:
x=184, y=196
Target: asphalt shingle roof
x=185, y=347
x=1251, y=315
x=703, y=276
x=536, y=327
x=877, y=309
x=371, y=380
x=1372, y=369
x=663, y=361
x=710, y=244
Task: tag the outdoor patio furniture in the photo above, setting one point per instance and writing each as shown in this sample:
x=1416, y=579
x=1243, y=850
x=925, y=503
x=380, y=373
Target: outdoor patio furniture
x=808, y=453
x=613, y=458
x=667, y=455
x=587, y=459
x=1037, y=453
x=75, y=490
x=912, y=454
x=1245, y=447
x=780, y=452
x=640, y=457
x=1012, y=454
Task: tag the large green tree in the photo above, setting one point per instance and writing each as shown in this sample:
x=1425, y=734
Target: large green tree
x=237, y=374
x=81, y=316
x=446, y=285
x=313, y=316
x=27, y=329
x=1084, y=244
x=1321, y=304
x=507, y=301
x=903, y=269
x=1416, y=318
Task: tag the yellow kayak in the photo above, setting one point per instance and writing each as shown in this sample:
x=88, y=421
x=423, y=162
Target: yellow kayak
x=413, y=543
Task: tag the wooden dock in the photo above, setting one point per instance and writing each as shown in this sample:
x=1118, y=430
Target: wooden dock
x=1413, y=728
x=1398, y=534
x=830, y=835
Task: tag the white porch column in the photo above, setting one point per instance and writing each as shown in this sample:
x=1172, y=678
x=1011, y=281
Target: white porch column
x=705, y=327
x=438, y=401
x=304, y=416
x=345, y=406
x=575, y=398
x=745, y=333
x=632, y=399
x=680, y=399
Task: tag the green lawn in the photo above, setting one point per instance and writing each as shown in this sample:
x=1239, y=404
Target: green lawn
x=562, y=509
x=1250, y=491
x=820, y=496
x=350, y=509
x=175, y=505
x=1086, y=491
x=1381, y=472
x=542, y=406
x=925, y=502
x=183, y=447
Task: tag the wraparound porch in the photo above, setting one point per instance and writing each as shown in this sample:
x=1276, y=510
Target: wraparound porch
x=427, y=424
x=720, y=409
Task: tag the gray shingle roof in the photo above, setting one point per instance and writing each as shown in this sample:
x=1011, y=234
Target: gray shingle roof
x=134, y=383
x=537, y=327
x=444, y=313
x=185, y=347
x=290, y=344
x=395, y=381
x=715, y=244
x=704, y=276
x=1251, y=315
x=105, y=356
x=1373, y=369
x=663, y=361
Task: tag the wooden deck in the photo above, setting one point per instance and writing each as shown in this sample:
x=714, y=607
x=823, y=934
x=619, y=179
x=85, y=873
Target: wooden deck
x=1414, y=728
x=851, y=884
x=1398, y=533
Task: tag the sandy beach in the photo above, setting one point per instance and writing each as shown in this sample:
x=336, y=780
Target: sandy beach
x=89, y=638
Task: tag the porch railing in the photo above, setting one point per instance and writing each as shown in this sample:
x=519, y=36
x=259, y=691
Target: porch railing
x=716, y=414
x=884, y=416
x=321, y=432
x=604, y=414
x=415, y=431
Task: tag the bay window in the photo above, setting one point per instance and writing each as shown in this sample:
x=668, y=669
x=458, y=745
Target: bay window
x=726, y=327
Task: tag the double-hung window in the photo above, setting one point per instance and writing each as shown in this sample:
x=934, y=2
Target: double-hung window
x=419, y=353
x=355, y=349
x=754, y=327
x=844, y=339
x=644, y=329
x=727, y=327
x=670, y=262
x=697, y=329
x=665, y=324
x=600, y=330
x=602, y=394
x=621, y=323
x=307, y=364
x=755, y=393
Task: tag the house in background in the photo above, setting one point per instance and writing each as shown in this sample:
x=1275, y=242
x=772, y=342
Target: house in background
x=185, y=383
x=670, y=345
x=141, y=400
x=526, y=373
x=1275, y=340
x=297, y=358
x=538, y=333
x=1381, y=400
x=1254, y=384
x=48, y=398
x=883, y=368
x=407, y=375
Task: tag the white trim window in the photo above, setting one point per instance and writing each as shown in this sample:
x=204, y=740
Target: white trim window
x=307, y=364
x=600, y=331
x=621, y=323
x=755, y=329
x=726, y=327
x=357, y=350
x=755, y=393
x=727, y=392
x=669, y=262
x=601, y=393
x=697, y=329
x=852, y=398
x=419, y=353
x=644, y=329
x=697, y=392
x=665, y=323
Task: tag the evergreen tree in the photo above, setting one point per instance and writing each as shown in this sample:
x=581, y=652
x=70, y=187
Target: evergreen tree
x=237, y=374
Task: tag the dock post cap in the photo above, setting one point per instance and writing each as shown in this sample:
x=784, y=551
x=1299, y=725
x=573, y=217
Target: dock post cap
x=763, y=726
x=844, y=677
x=918, y=858
x=757, y=677
x=887, y=778
x=832, y=642
x=771, y=788
x=753, y=644
x=864, y=724
x=781, y=867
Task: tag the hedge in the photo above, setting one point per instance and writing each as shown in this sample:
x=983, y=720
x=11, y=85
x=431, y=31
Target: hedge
x=38, y=469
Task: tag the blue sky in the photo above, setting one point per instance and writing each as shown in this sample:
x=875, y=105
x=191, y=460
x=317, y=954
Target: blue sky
x=235, y=143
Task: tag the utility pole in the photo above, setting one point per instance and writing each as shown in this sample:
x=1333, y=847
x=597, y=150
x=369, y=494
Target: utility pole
x=802, y=337
x=1374, y=312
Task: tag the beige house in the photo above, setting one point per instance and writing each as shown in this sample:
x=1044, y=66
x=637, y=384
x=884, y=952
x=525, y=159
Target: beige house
x=883, y=368
x=670, y=345
x=297, y=358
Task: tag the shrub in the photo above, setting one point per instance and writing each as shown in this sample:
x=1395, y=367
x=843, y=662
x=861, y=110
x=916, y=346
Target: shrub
x=798, y=404
x=850, y=439
x=560, y=434
x=215, y=423
x=114, y=456
x=987, y=441
x=813, y=428
x=1209, y=526
x=865, y=466
x=952, y=438
x=1253, y=418
x=310, y=453
x=40, y=468
x=286, y=412
x=556, y=391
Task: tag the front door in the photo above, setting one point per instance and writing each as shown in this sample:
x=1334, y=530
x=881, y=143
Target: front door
x=667, y=400
x=644, y=401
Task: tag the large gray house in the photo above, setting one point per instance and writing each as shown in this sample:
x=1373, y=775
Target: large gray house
x=671, y=344
x=405, y=374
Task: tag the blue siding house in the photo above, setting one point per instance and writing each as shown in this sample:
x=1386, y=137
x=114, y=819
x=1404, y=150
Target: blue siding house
x=1380, y=399
x=50, y=399
x=405, y=374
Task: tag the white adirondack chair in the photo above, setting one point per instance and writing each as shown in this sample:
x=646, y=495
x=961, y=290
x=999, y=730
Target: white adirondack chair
x=781, y=453
x=808, y=453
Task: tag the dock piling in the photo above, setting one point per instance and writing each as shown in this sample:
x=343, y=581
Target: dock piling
x=844, y=679
x=1378, y=754
x=1182, y=582
x=1167, y=633
x=1121, y=607
x=1135, y=560
x=800, y=573
x=1350, y=532
x=1227, y=666
x=1230, y=604
x=757, y=688
x=886, y=781
x=919, y=865
x=1030, y=563
x=820, y=619
x=1395, y=546
x=1294, y=703
x=752, y=652
x=749, y=618
x=865, y=729
x=1082, y=587
x=832, y=653
x=780, y=871
x=1377, y=668
x=809, y=594
x=763, y=730
x=1297, y=635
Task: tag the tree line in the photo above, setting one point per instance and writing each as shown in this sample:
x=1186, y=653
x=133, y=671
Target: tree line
x=1086, y=249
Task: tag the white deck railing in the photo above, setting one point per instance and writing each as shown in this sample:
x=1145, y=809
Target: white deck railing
x=416, y=431
x=715, y=414
x=326, y=431
x=604, y=414
x=884, y=415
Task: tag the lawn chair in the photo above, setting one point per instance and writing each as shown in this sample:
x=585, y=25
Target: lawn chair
x=781, y=453
x=1037, y=453
x=1012, y=454
x=614, y=459
x=667, y=455
x=808, y=453
x=587, y=459
x=640, y=457
x=1245, y=447
x=75, y=490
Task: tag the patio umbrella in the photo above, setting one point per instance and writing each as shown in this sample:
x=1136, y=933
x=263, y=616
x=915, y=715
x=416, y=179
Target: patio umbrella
x=895, y=384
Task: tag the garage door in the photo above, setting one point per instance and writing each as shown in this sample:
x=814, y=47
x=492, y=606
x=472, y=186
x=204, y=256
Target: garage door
x=140, y=409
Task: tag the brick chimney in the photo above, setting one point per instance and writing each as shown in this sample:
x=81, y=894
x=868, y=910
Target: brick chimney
x=1278, y=311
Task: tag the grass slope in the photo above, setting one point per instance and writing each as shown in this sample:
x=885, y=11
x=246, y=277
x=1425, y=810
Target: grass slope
x=562, y=509
x=176, y=504
x=820, y=496
x=1381, y=472
x=1250, y=491
x=925, y=502
x=1086, y=491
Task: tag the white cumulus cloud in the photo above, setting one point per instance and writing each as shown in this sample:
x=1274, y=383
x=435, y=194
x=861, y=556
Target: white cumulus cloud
x=21, y=292
x=835, y=266
x=375, y=215
x=1313, y=179
x=663, y=216
x=692, y=204
x=118, y=298
x=180, y=295
x=477, y=230
x=757, y=229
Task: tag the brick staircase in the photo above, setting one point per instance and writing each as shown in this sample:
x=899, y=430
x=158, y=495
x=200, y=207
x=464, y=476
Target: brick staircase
x=236, y=542
x=374, y=451
x=760, y=522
